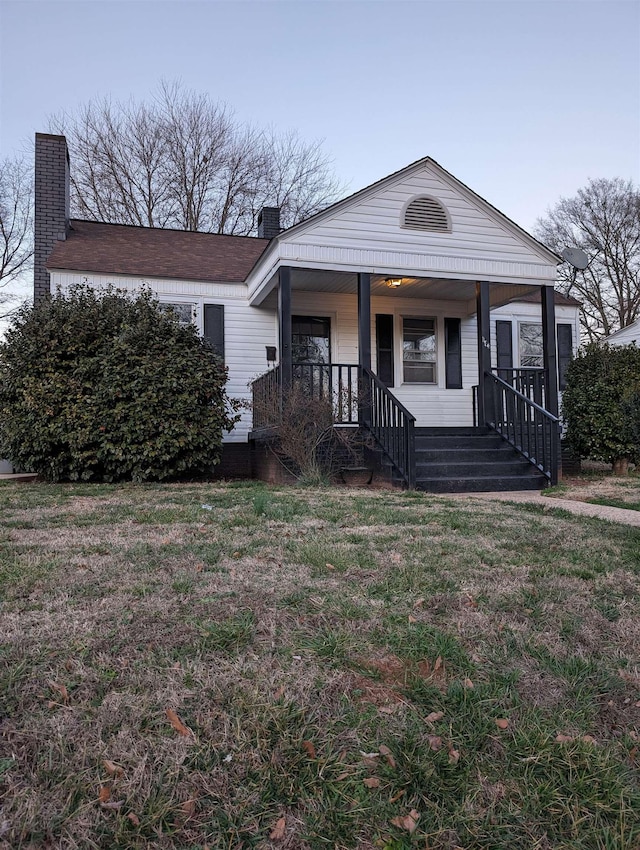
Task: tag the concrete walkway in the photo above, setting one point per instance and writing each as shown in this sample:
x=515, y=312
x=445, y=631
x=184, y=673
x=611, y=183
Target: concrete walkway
x=536, y=498
x=18, y=476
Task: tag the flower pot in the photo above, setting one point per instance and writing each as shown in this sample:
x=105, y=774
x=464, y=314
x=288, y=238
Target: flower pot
x=356, y=476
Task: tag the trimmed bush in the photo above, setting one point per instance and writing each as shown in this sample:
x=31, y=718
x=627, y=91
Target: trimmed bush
x=106, y=386
x=601, y=404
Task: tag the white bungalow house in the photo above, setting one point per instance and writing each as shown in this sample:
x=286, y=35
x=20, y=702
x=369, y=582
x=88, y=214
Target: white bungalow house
x=415, y=290
x=625, y=336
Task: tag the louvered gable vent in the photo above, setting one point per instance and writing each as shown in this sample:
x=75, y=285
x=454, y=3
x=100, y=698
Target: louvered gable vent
x=426, y=214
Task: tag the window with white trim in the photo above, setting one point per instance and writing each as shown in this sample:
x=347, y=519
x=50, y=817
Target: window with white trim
x=530, y=345
x=183, y=311
x=419, y=350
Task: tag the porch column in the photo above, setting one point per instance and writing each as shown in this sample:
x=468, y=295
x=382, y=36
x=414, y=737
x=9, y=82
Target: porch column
x=484, y=350
x=364, y=320
x=364, y=344
x=549, y=349
x=284, y=326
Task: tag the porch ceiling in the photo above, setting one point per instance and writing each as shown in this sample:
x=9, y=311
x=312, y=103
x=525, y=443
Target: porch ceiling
x=436, y=289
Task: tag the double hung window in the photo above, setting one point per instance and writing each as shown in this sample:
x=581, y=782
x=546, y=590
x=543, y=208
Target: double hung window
x=419, y=351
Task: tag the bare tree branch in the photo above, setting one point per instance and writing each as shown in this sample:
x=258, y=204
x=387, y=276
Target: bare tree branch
x=182, y=160
x=16, y=228
x=603, y=219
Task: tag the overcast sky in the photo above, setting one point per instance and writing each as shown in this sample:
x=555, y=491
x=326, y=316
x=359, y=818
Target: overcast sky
x=523, y=100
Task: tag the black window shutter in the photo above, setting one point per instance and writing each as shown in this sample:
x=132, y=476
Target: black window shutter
x=214, y=327
x=384, y=348
x=504, y=347
x=565, y=352
x=453, y=351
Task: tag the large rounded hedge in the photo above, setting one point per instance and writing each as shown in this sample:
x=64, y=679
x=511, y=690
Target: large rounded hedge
x=601, y=404
x=101, y=385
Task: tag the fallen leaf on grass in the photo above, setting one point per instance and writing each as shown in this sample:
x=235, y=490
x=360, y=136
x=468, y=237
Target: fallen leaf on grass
x=309, y=749
x=633, y=752
x=104, y=794
x=454, y=755
x=502, y=723
x=59, y=688
x=189, y=808
x=435, y=742
x=277, y=833
x=330, y=566
x=412, y=619
x=631, y=678
x=372, y=782
x=434, y=716
x=588, y=739
x=342, y=776
x=135, y=820
x=177, y=724
x=564, y=739
x=112, y=768
x=386, y=752
x=113, y=805
x=408, y=822
x=418, y=603
x=438, y=663
x=467, y=683
x=397, y=796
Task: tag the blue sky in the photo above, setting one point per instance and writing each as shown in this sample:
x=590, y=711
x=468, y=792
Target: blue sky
x=523, y=100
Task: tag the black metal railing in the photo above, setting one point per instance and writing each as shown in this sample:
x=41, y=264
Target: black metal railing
x=266, y=398
x=528, y=381
x=391, y=425
x=358, y=397
x=336, y=382
x=527, y=426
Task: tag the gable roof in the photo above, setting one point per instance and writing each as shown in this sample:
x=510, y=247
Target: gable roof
x=154, y=252
x=540, y=247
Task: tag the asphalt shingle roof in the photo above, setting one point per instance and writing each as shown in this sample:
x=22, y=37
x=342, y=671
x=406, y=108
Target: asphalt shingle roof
x=153, y=252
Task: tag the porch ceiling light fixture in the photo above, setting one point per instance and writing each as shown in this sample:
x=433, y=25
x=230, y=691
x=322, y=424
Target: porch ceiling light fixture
x=393, y=282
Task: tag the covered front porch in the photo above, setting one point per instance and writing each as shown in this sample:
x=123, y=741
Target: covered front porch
x=406, y=357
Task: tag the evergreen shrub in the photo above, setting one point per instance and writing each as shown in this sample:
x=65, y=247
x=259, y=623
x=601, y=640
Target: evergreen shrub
x=107, y=386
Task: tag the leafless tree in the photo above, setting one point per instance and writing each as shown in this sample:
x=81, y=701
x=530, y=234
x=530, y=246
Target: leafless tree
x=603, y=219
x=181, y=160
x=16, y=228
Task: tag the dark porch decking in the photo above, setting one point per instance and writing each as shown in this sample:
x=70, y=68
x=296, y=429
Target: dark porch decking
x=515, y=447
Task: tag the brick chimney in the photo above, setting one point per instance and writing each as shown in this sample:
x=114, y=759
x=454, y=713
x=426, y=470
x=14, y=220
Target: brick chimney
x=51, y=214
x=268, y=222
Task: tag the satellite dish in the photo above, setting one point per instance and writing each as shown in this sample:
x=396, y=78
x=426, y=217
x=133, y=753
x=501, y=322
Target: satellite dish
x=577, y=258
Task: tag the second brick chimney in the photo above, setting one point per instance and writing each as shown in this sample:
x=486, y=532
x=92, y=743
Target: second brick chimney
x=268, y=222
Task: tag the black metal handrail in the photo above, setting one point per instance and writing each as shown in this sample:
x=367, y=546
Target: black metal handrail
x=337, y=382
x=527, y=426
x=391, y=424
x=266, y=397
x=529, y=381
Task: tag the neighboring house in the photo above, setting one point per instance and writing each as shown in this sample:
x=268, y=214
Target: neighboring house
x=625, y=336
x=388, y=290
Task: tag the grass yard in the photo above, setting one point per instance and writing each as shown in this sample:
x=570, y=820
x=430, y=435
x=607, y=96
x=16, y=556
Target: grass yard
x=598, y=488
x=234, y=667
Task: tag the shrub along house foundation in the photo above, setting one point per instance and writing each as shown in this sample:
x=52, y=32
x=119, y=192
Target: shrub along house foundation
x=427, y=317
